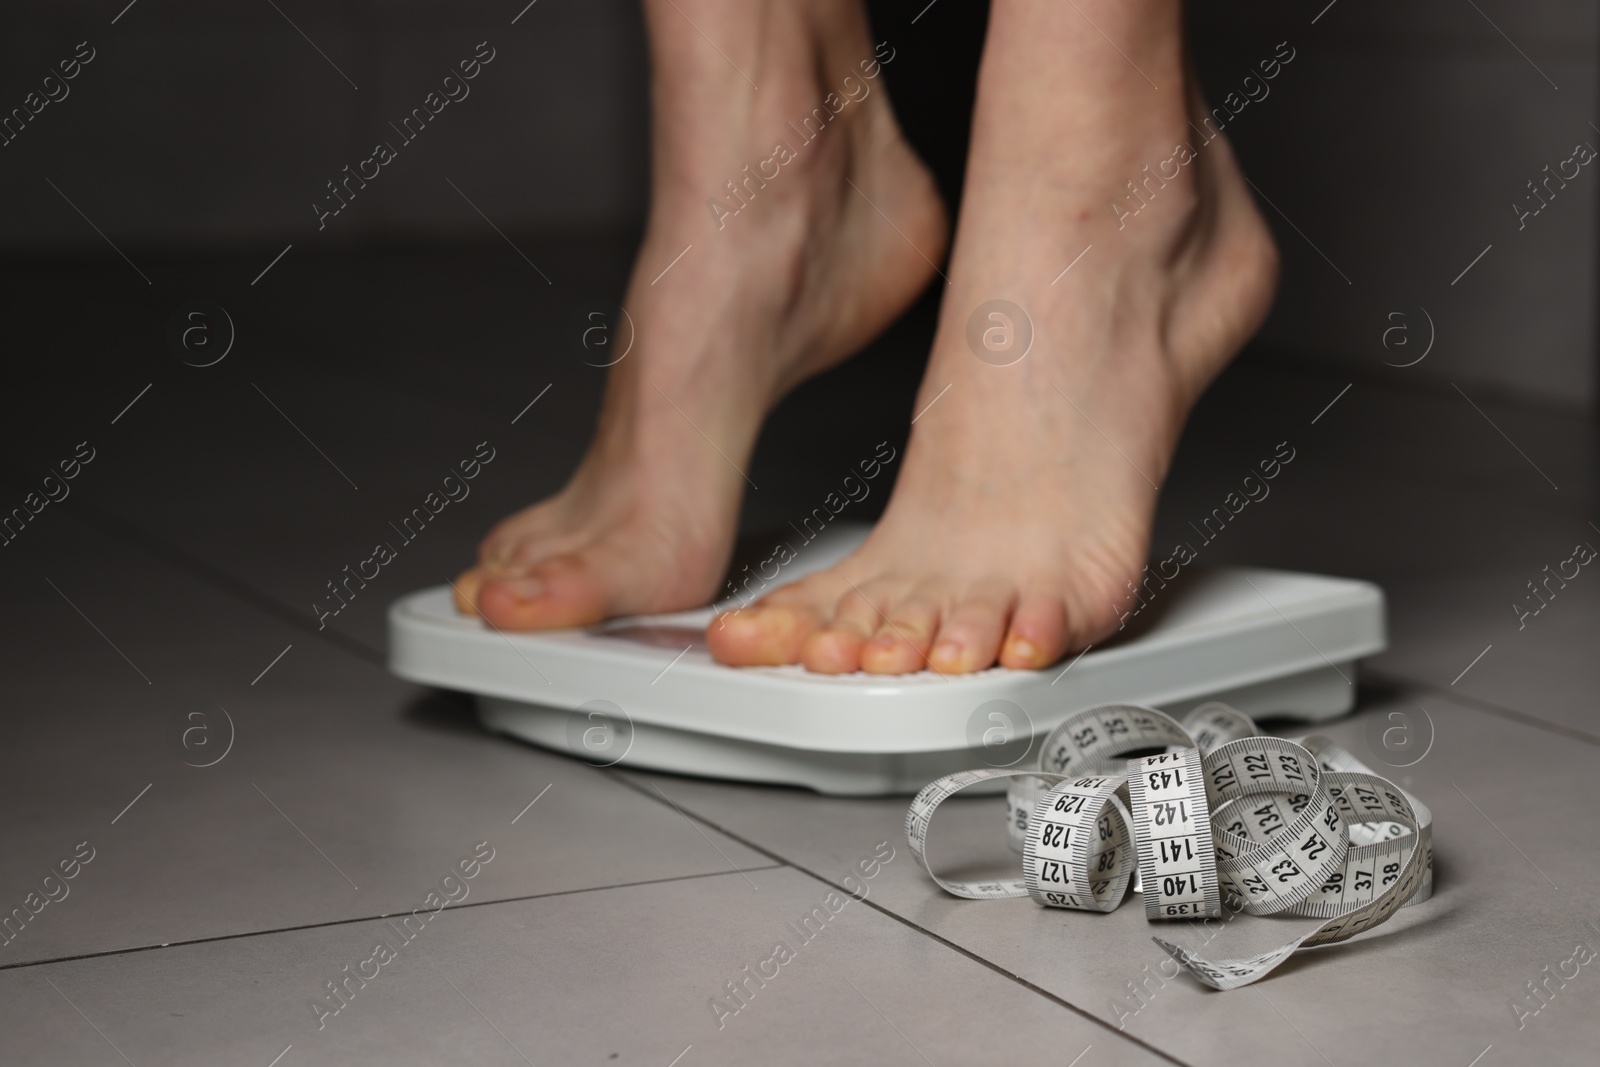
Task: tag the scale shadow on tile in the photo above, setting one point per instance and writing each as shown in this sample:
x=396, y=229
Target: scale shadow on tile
x=629, y=975
x=1433, y=985
x=334, y=791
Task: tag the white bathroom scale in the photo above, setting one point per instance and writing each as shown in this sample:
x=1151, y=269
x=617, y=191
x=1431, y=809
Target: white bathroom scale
x=644, y=692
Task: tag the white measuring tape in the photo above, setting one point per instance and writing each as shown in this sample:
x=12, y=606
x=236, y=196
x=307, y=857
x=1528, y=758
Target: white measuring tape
x=1271, y=826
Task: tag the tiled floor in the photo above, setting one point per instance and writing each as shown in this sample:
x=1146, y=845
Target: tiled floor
x=172, y=591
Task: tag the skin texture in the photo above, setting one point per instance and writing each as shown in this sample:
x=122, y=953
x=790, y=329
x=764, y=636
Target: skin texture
x=798, y=280
x=1024, y=501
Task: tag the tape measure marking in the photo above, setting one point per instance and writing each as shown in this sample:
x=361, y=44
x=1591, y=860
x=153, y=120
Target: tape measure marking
x=1172, y=833
x=1272, y=826
x=1078, y=844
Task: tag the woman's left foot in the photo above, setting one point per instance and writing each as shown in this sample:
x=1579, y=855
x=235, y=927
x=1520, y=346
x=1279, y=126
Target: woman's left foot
x=1024, y=508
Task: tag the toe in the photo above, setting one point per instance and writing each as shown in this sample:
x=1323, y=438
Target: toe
x=836, y=649
x=465, y=590
x=765, y=634
x=901, y=644
x=497, y=546
x=562, y=592
x=969, y=638
x=1038, y=634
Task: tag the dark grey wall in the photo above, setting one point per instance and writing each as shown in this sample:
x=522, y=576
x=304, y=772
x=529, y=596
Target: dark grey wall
x=1397, y=143
x=1391, y=149
x=200, y=123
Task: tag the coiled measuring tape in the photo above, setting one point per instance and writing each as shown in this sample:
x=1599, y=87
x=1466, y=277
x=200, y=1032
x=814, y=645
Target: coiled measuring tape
x=1222, y=816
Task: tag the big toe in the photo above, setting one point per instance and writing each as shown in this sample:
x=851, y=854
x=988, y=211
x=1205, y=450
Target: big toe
x=562, y=592
x=465, y=589
x=763, y=635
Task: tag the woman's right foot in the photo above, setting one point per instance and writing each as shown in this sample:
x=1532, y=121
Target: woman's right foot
x=734, y=301
x=1022, y=511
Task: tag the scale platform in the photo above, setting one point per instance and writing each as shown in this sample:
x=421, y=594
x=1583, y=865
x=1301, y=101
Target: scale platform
x=644, y=692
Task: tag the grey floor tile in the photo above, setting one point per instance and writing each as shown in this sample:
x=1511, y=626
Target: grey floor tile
x=211, y=520
x=1433, y=987
x=345, y=793
x=624, y=975
x=1471, y=639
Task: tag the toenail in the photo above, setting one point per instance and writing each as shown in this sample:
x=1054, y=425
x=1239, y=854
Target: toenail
x=524, y=588
x=1018, y=648
x=946, y=650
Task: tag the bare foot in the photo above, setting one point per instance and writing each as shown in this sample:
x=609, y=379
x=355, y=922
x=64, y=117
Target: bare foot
x=1025, y=501
x=803, y=274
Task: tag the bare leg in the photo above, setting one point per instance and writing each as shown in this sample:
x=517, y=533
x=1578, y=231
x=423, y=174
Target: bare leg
x=790, y=271
x=1024, y=506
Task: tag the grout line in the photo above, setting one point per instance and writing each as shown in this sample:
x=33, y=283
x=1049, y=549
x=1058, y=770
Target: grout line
x=782, y=861
x=130, y=535
x=1479, y=704
x=370, y=918
x=702, y=833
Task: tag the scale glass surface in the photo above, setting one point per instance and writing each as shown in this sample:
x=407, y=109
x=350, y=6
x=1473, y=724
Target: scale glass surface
x=644, y=692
